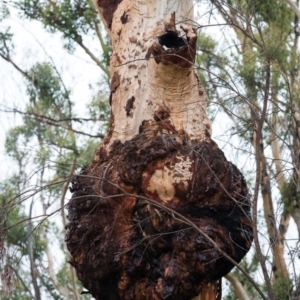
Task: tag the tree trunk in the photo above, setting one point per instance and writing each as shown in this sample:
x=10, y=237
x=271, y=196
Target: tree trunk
x=157, y=162
x=151, y=72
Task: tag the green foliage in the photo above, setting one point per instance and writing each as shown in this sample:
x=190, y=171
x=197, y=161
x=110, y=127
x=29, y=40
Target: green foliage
x=291, y=194
x=74, y=20
x=265, y=12
x=282, y=287
x=45, y=90
x=264, y=35
x=12, y=213
x=15, y=140
x=211, y=67
x=233, y=76
x=45, y=145
x=4, y=12
x=250, y=266
x=6, y=45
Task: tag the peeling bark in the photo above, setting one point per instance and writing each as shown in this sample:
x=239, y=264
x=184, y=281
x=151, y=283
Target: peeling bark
x=158, y=156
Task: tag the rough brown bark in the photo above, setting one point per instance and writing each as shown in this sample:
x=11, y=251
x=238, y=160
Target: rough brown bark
x=121, y=244
x=124, y=240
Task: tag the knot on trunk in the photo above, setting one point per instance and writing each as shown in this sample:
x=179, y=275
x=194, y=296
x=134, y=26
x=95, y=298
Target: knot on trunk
x=124, y=238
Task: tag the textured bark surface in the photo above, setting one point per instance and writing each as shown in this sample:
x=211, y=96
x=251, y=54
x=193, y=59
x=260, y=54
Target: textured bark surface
x=124, y=240
x=124, y=248
x=154, y=47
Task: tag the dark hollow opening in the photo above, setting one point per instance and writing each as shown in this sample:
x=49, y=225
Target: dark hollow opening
x=171, y=40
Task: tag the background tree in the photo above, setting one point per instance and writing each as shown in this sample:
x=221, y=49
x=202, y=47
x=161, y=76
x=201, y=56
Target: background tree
x=48, y=146
x=248, y=61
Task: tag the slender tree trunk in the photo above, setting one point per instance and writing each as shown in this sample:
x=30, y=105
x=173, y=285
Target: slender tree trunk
x=157, y=163
x=33, y=269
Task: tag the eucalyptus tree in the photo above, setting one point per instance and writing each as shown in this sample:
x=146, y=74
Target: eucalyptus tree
x=159, y=213
x=248, y=62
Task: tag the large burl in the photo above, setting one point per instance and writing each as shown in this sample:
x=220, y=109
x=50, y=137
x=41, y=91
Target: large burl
x=125, y=248
x=125, y=240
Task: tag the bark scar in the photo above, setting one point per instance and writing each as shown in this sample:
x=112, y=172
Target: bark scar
x=129, y=106
x=108, y=7
x=115, y=82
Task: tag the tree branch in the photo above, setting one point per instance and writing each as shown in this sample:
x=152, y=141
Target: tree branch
x=93, y=57
x=237, y=287
x=64, y=192
x=57, y=123
x=23, y=283
x=294, y=7
x=31, y=258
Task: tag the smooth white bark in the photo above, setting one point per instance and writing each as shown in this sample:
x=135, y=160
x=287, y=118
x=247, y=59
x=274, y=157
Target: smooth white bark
x=152, y=85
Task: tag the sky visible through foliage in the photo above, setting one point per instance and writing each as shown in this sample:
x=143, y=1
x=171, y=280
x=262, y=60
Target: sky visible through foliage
x=37, y=156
